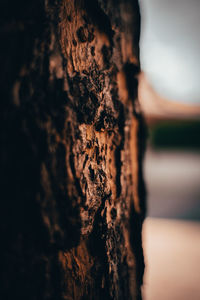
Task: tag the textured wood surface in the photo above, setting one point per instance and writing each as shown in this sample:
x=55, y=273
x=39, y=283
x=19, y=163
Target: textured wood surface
x=72, y=146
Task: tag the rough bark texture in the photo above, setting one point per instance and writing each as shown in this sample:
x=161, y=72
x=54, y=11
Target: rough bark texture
x=72, y=194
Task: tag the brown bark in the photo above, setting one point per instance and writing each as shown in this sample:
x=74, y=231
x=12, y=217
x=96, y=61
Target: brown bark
x=72, y=145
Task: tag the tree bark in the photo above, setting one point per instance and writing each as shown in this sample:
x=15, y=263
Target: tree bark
x=72, y=192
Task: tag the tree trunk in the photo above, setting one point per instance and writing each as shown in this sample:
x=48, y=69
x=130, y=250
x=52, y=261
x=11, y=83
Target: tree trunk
x=72, y=144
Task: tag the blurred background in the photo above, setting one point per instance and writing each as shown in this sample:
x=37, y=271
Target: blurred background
x=169, y=94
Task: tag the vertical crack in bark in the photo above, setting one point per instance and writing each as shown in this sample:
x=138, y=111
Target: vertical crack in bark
x=76, y=179
x=118, y=158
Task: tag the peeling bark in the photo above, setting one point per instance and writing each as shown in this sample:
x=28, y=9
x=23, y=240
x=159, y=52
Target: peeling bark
x=72, y=147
